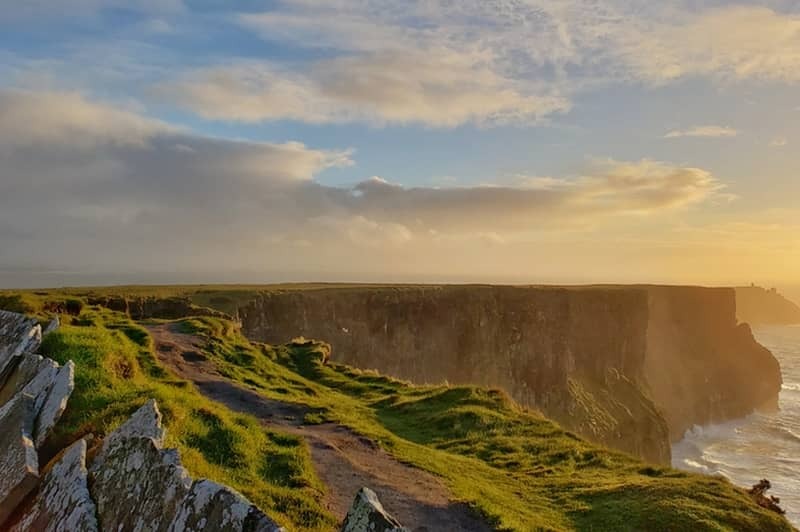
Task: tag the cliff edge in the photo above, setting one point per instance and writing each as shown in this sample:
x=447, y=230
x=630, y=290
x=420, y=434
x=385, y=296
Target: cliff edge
x=702, y=366
x=629, y=367
x=759, y=306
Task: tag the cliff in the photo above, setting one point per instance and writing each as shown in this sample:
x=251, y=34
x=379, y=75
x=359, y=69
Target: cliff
x=703, y=366
x=760, y=306
x=629, y=367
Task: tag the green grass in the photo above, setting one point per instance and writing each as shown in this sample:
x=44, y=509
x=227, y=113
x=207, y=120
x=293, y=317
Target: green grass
x=518, y=469
x=116, y=373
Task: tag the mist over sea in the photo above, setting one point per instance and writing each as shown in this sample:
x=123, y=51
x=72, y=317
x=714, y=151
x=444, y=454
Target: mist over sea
x=760, y=445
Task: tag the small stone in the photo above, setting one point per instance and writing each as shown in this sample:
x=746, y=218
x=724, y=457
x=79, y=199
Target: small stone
x=211, y=506
x=19, y=463
x=63, y=502
x=56, y=402
x=53, y=326
x=367, y=515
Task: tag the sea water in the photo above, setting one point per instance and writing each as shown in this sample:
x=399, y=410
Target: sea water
x=760, y=445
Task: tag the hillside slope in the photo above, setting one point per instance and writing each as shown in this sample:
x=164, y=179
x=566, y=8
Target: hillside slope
x=515, y=469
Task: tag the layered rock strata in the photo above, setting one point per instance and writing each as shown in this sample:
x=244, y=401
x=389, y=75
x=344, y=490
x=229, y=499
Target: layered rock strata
x=630, y=367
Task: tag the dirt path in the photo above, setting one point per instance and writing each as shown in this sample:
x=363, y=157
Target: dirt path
x=344, y=460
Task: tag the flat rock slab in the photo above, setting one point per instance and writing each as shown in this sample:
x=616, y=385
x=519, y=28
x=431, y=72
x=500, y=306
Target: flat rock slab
x=18, y=334
x=63, y=383
x=211, y=506
x=63, y=502
x=367, y=515
x=19, y=463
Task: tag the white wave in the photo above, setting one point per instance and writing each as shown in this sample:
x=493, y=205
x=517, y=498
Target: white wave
x=790, y=386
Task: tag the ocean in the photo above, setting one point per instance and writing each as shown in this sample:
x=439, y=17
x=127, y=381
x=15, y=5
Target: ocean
x=760, y=445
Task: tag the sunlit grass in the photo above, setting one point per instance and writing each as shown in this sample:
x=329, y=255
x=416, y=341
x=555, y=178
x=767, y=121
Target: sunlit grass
x=518, y=469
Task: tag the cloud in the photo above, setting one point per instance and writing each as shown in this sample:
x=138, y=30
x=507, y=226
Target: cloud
x=702, y=131
x=487, y=62
x=91, y=186
x=733, y=43
x=536, y=39
x=439, y=90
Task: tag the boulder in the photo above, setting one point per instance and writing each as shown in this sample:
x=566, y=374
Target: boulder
x=19, y=463
x=63, y=382
x=145, y=423
x=138, y=486
x=759, y=494
x=63, y=501
x=18, y=334
x=367, y=515
x=210, y=506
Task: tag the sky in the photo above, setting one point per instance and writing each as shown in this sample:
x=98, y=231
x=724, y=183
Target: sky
x=509, y=141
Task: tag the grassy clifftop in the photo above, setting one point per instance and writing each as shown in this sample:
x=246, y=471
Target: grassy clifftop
x=518, y=469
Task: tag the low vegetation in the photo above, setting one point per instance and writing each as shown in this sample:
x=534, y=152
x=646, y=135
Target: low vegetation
x=518, y=469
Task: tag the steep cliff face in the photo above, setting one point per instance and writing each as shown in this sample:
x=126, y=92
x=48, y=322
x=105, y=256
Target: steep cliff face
x=701, y=365
x=757, y=305
x=576, y=354
x=630, y=367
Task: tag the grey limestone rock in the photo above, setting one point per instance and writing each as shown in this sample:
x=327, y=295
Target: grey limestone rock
x=211, y=506
x=52, y=326
x=63, y=503
x=63, y=382
x=139, y=486
x=145, y=422
x=367, y=515
x=18, y=334
x=19, y=463
x=28, y=367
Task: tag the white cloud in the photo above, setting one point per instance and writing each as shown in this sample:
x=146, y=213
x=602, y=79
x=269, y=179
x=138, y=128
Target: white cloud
x=91, y=186
x=440, y=90
x=702, y=131
x=485, y=62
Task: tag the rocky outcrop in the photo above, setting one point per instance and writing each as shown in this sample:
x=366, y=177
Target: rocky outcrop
x=63, y=501
x=18, y=334
x=759, y=494
x=759, y=306
x=630, y=366
x=19, y=463
x=138, y=485
x=367, y=514
x=33, y=393
x=211, y=506
x=62, y=384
